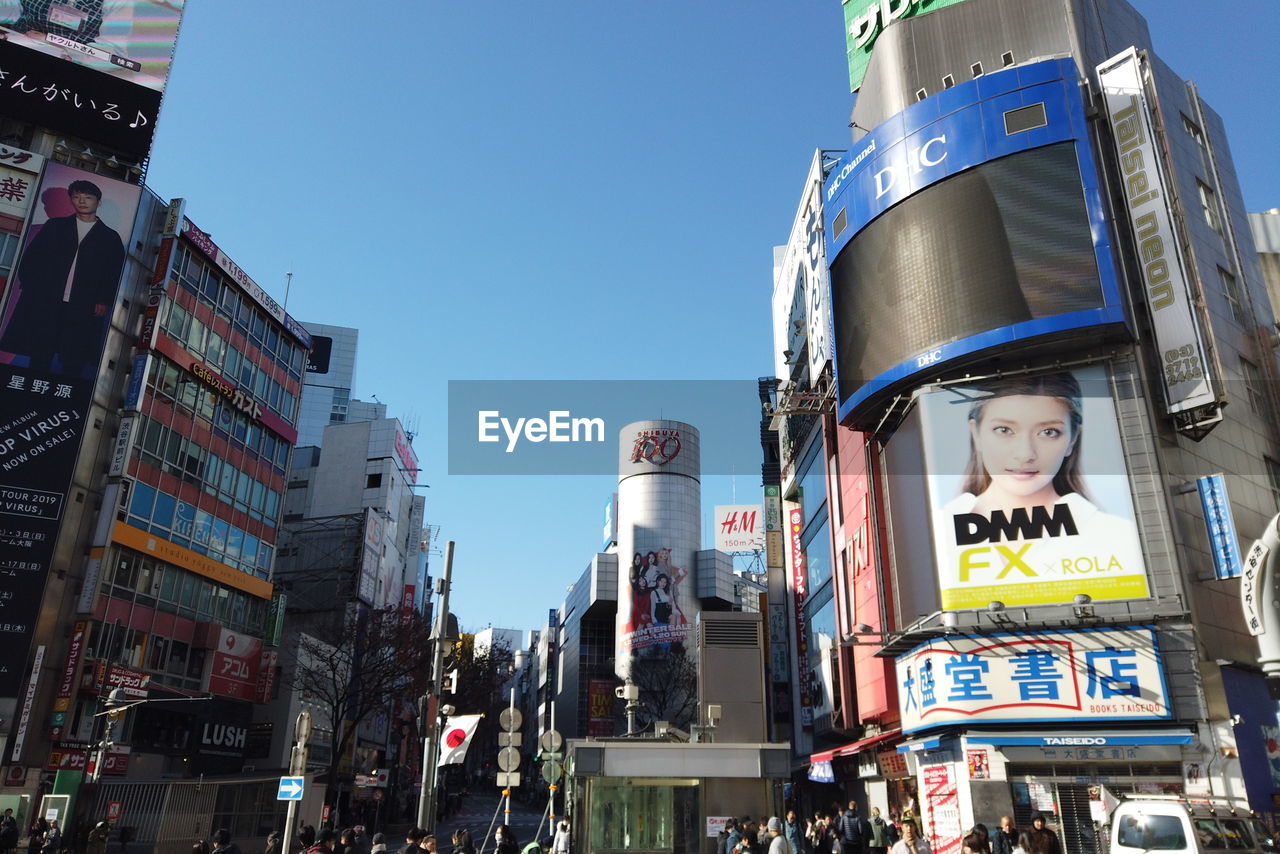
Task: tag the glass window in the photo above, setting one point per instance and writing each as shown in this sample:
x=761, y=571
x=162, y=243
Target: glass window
x=1235, y=299
x=126, y=571
x=178, y=652
x=215, y=349
x=204, y=599
x=227, y=484
x=812, y=477
x=1210, y=833
x=258, y=495
x=817, y=553
x=195, y=664
x=140, y=503
x=146, y=583
x=1236, y=832
x=1209, y=206
x=265, y=554
x=1253, y=387
x=158, y=657
x=1151, y=832
x=163, y=515
x=190, y=584
x=235, y=540
x=218, y=536
x=169, y=583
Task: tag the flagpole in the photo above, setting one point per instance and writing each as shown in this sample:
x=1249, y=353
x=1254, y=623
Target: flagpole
x=427, y=799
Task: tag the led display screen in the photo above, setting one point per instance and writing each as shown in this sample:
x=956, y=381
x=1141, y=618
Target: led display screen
x=1004, y=244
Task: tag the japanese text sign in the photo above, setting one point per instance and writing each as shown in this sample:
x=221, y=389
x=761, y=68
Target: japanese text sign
x=1012, y=678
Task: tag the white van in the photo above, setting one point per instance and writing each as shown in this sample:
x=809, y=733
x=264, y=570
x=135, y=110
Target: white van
x=1143, y=824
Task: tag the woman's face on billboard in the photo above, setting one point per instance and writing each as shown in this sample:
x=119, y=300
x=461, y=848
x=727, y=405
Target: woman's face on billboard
x=1022, y=441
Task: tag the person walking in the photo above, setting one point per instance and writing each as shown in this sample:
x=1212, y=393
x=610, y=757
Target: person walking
x=560, y=843
x=880, y=837
x=794, y=833
x=732, y=836
x=1042, y=837
x=52, y=839
x=411, y=840
x=911, y=841
x=325, y=840
x=778, y=843
x=9, y=833
x=1005, y=837
x=97, y=842
x=853, y=830
x=505, y=838
x=222, y=843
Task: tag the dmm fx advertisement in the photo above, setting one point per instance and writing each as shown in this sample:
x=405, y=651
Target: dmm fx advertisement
x=1028, y=492
x=1111, y=674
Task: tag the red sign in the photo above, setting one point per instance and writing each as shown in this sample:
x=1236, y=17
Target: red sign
x=265, y=690
x=236, y=663
x=406, y=600
x=799, y=580
x=15, y=775
x=114, y=809
x=67, y=684
x=600, y=707
x=134, y=683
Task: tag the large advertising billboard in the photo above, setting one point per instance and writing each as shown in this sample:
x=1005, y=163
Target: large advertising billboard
x=129, y=40
x=1099, y=674
x=1187, y=377
x=659, y=537
x=89, y=68
x=956, y=234
x=53, y=323
x=1028, y=492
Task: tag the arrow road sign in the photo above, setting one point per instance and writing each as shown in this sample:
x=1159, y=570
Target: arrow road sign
x=290, y=789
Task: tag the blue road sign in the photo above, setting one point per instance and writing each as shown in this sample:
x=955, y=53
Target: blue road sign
x=290, y=789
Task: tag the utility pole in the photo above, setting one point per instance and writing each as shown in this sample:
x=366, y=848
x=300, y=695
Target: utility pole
x=431, y=752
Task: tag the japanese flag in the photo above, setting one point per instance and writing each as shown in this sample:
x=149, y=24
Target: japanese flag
x=455, y=737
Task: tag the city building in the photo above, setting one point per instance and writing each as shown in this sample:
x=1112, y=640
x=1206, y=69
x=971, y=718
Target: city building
x=1048, y=437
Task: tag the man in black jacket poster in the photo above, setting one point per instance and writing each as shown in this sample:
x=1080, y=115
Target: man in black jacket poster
x=68, y=275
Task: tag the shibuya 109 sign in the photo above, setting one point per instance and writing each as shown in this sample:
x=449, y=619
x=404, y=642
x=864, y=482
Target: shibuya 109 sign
x=1045, y=676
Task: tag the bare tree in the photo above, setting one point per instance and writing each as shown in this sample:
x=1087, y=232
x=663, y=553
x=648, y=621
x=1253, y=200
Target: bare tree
x=668, y=688
x=372, y=658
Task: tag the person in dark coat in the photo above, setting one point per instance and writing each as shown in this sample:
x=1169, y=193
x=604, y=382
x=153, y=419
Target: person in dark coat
x=1043, y=839
x=1005, y=837
x=68, y=275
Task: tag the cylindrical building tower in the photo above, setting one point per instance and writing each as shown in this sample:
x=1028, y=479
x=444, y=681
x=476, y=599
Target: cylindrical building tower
x=659, y=500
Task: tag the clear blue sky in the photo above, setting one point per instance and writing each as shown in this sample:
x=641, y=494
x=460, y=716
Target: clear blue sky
x=584, y=189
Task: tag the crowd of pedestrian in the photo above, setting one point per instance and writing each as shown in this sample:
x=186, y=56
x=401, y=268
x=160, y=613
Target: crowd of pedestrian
x=844, y=830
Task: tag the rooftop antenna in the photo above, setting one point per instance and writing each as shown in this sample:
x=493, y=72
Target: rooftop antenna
x=288, y=281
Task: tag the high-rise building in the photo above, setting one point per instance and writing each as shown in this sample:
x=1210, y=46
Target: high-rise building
x=1043, y=437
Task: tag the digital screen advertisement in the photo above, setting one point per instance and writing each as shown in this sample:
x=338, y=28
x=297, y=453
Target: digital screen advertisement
x=955, y=234
x=1028, y=492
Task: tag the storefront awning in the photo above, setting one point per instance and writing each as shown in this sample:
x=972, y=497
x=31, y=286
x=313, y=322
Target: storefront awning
x=854, y=747
x=1084, y=738
x=920, y=744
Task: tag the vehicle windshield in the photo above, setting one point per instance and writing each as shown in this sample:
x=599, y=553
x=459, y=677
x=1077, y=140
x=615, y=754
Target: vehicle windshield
x=1151, y=833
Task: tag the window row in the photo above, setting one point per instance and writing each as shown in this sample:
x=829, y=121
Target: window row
x=156, y=584
x=169, y=450
x=185, y=328
x=169, y=382
x=214, y=290
x=179, y=522
x=171, y=662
